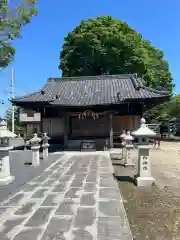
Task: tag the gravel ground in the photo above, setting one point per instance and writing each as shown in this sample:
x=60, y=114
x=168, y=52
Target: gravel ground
x=153, y=213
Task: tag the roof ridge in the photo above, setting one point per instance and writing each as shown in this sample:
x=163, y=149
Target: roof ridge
x=83, y=78
x=135, y=82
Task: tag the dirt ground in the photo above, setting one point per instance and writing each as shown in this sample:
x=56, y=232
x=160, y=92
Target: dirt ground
x=153, y=213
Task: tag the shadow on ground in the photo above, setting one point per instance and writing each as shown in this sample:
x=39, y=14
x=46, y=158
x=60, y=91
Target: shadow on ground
x=23, y=172
x=125, y=179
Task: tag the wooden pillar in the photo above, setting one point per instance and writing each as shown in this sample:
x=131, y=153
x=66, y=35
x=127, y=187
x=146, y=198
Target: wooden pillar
x=169, y=132
x=110, y=132
x=41, y=126
x=41, y=121
x=66, y=129
x=142, y=109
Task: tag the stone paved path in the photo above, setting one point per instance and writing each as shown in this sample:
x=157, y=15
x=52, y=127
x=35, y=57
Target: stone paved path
x=23, y=172
x=75, y=198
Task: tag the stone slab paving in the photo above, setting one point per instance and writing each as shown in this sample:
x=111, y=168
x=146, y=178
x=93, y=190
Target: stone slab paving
x=75, y=198
x=23, y=172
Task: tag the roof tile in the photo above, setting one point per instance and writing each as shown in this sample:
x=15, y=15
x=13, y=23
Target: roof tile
x=93, y=90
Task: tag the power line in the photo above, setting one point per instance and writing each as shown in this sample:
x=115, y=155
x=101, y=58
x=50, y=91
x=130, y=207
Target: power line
x=12, y=96
x=12, y=92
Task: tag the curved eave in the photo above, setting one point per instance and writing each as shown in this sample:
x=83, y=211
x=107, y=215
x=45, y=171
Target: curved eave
x=92, y=91
x=162, y=98
x=58, y=103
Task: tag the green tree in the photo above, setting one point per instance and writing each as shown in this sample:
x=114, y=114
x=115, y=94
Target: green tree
x=104, y=45
x=166, y=111
x=12, y=19
x=171, y=109
x=18, y=126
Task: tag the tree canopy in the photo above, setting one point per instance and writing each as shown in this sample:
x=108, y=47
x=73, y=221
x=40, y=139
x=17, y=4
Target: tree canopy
x=18, y=127
x=104, y=45
x=168, y=110
x=12, y=18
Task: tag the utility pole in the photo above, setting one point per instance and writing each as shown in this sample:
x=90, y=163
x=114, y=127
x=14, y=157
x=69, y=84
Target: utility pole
x=12, y=92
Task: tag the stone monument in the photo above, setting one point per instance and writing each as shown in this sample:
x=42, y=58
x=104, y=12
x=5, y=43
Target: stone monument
x=45, y=146
x=5, y=136
x=122, y=136
x=128, y=148
x=143, y=134
x=35, y=146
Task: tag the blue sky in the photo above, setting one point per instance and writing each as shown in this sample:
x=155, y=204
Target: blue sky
x=38, y=50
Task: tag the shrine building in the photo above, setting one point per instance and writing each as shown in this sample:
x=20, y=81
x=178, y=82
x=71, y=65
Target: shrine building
x=96, y=107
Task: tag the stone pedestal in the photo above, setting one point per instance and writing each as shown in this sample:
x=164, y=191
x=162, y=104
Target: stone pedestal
x=144, y=177
x=143, y=134
x=35, y=150
x=5, y=176
x=128, y=156
x=128, y=150
x=123, y=150
x=45, y=146
x=122, y=136
x=35, y=156
x=5, y=135
x=45, y=151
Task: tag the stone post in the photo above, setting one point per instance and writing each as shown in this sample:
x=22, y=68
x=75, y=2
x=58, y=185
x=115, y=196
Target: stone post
x=122, y=136
x=45, y=146
x=143, y=134
x=110, y=132
x=5, y=135
x=129, y=147
x=35, y=146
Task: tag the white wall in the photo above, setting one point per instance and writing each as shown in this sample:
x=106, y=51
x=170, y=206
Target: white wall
x=23, y=117
x=53, y=126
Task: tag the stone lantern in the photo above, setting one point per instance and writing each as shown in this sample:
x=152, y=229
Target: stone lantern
x=35, y=146
x=143, y=134
x=122, y=136
x=5, y=136
x=129, y=147
x=45, y=146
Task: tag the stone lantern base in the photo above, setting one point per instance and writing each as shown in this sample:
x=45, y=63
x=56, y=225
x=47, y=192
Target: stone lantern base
x=7, y=180
x=128, y=156
x=45, y=151
x=144, y=181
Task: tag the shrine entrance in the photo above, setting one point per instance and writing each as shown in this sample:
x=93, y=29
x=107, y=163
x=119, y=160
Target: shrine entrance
x=91, y=129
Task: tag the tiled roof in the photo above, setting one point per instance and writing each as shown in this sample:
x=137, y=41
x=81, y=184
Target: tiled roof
x=93, y=90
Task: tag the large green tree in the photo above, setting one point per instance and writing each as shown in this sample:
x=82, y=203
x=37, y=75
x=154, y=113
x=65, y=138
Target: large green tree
x=104, y=45
x=13, y=15
x=168, y=110
x=18, y=126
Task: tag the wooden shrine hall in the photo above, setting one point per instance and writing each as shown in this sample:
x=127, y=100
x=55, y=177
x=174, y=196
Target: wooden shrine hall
x=92, y=108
